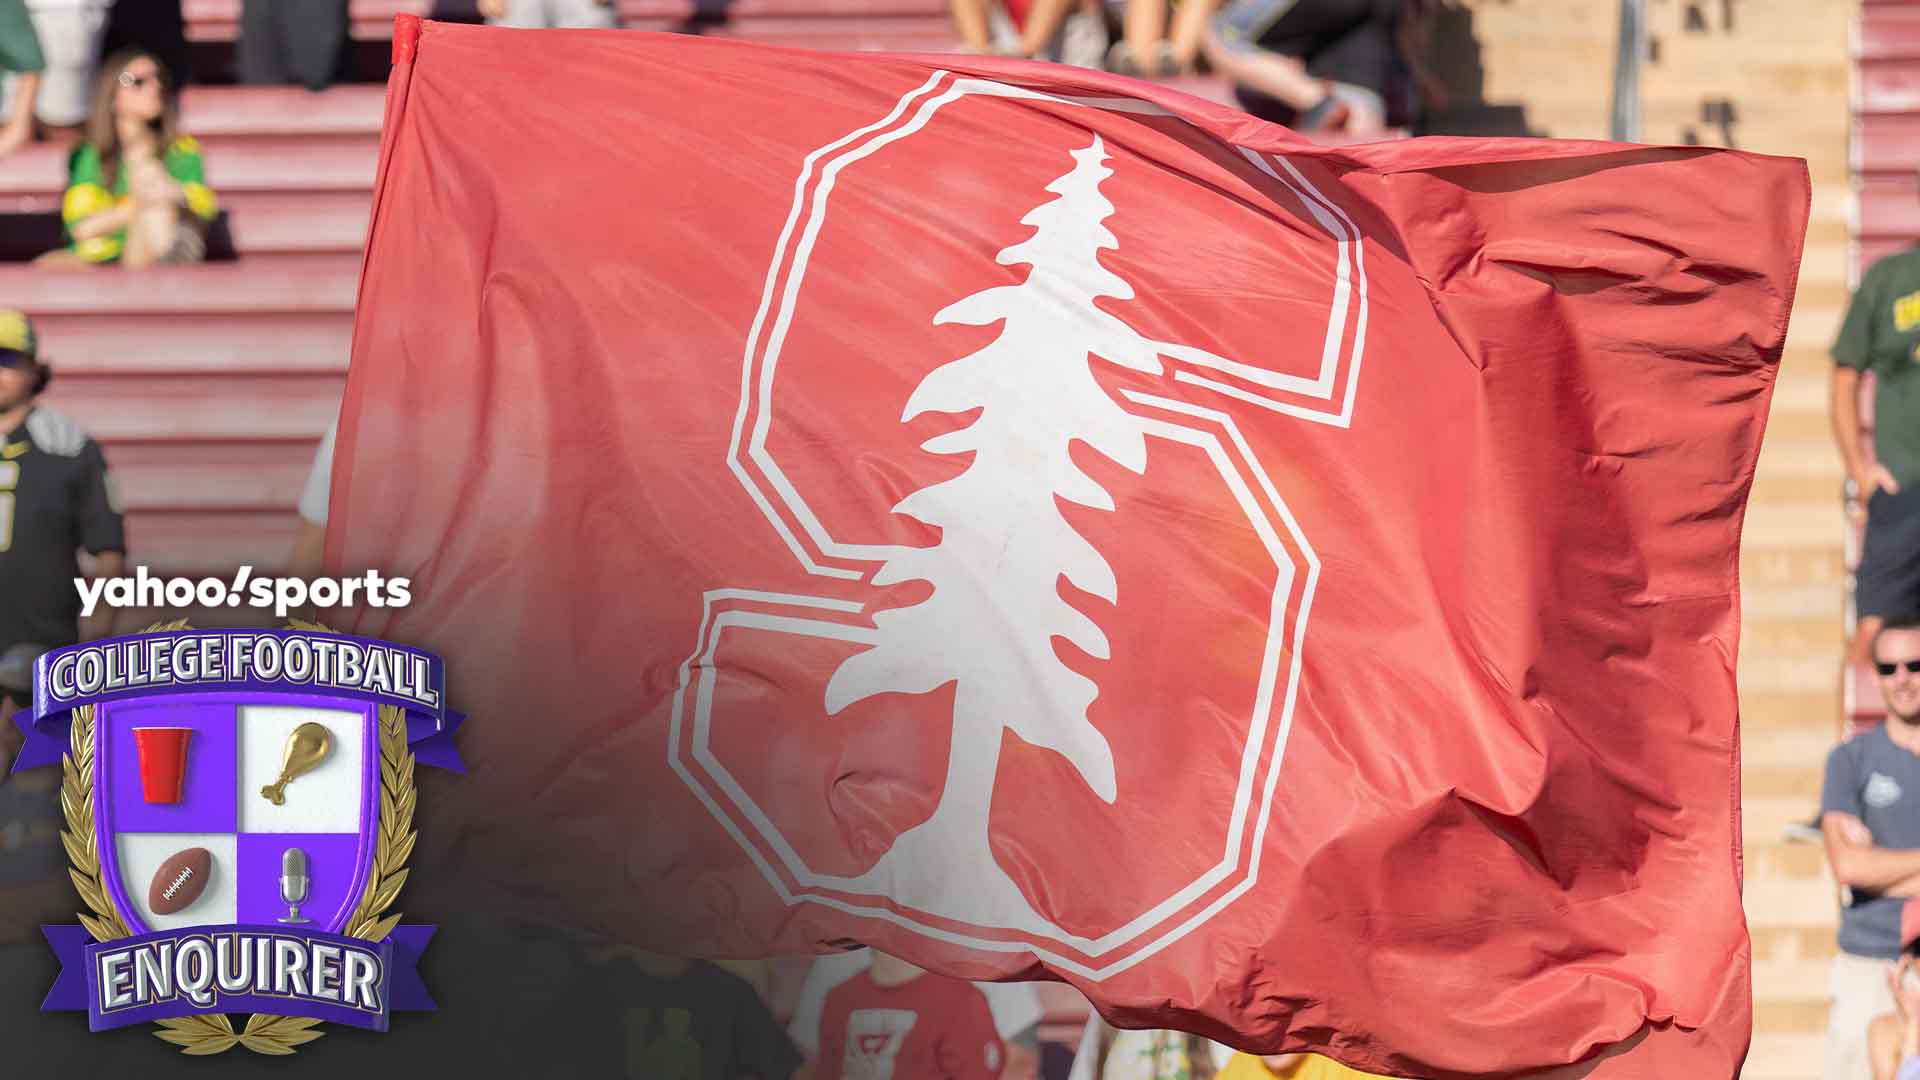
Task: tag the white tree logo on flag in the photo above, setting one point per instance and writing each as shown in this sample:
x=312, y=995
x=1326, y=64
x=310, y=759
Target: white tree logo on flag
x=1005, y=544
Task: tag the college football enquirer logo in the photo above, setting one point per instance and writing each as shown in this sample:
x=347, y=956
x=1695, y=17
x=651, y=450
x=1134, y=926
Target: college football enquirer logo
x=239, y=812
x=972, y=636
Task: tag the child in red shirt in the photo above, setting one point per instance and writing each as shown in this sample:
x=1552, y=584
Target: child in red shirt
x=894, y=1021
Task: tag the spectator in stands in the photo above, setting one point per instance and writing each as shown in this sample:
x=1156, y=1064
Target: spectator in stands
x=1881, y=334
x=1334, y=63
x=70, y=32
x=1066, y=31
x=1109, y=1053
x=1015, y=1006
x=55, y=499
x=589, y=14
x=136, y=188
x=631, y=1013
x=22, y=60
x=1290, y=1067
x=1870, y=815
x=895, y=1019
x=157, y=26
x=1148, y=46
x=1894, y=1039
x=291, y=42
x=310, y=543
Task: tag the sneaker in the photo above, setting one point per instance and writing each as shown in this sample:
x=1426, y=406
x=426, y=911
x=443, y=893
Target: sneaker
x=1806, y=832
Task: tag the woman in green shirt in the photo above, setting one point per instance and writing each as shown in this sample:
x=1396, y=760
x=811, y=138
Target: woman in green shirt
x=136, y=188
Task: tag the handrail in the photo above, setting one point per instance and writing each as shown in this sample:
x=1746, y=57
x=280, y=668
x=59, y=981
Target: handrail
x=1631, y=48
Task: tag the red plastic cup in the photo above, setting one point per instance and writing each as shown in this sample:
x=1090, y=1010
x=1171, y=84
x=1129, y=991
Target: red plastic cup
x=163, y=761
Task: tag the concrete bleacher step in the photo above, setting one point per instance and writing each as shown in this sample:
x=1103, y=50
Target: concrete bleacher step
x=1790, y=634
x=265, y=283
x=1783, y=943
x=1793, y=673
x=180, y=406
x=200, y=542
x=1809, y=701
x=260, y=474
x=1814, y=600
x=239, y=342
x=1795, y=901
x=1790, y=1056
x=1792, y=524
x=1796, y=779
x=1767, y=567
x=1801, y=746
x=283, y=110
x=325, y=161
x=270, y=222
x=1805, y=1016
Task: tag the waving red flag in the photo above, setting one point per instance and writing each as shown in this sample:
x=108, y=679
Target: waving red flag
x=1038, y=523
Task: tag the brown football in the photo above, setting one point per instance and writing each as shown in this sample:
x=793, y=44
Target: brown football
x=179, y=881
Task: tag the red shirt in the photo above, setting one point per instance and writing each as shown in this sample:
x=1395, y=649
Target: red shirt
x=928, y=1028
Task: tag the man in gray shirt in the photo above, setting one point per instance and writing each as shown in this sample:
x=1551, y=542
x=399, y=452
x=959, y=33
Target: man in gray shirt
x=1870, y=816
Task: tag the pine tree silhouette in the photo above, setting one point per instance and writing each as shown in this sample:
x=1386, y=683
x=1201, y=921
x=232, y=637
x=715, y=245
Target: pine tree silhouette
x=996, y=606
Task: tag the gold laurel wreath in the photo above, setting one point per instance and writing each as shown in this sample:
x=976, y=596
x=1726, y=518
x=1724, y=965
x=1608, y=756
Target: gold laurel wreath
x=214, y=1033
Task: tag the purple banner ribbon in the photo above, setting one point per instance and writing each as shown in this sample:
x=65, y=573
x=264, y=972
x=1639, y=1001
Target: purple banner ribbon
x=115, y=982
x=198, y=661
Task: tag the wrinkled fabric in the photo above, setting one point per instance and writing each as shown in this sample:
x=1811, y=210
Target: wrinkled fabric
x=1042, y=525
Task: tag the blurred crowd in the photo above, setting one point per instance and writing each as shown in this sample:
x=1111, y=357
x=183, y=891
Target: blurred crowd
x=1347, y=66
x=97, y=75
x=1869, y=819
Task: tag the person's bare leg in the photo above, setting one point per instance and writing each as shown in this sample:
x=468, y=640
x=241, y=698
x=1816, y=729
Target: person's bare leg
x=1277, y=76
x=1044, y=19
x=151, y=234
x=1145, y=24
x=970, y=22
x=1189, y=31
x=1863, y=632
x=1363, y=120
x=61, y=258
x=19, y=126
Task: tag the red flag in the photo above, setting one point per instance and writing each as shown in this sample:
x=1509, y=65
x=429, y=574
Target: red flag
x=1038, y=523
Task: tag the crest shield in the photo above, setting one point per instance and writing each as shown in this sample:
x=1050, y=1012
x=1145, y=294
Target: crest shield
x=227, y=748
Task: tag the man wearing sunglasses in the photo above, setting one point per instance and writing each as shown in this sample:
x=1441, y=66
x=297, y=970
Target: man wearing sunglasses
x=56, y=499
x=1870, y=819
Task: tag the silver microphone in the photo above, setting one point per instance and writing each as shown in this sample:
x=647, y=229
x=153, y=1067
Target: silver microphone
x=293, y=883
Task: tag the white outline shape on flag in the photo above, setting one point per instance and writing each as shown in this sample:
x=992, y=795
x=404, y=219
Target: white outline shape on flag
x=1349, y=300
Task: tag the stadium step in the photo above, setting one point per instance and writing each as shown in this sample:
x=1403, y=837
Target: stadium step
x=1794, y=1055
x=325, y=161
x=283, y=110
x=1813, y=707
x=1783, y=943
x=200, y=542
x=257, y=475
x=1765, y=566
x=126, y=406
x=1790, y=902
x=1796, y=673
x=266, y=283
x=264, y=341
x=251, y=222
x=1819, y=601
